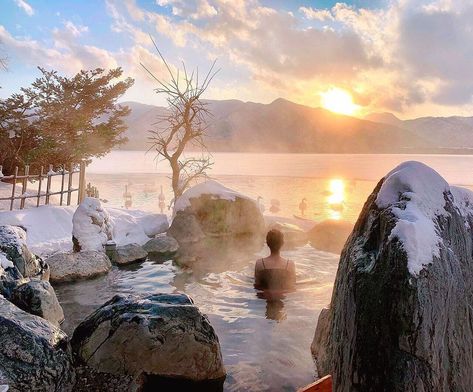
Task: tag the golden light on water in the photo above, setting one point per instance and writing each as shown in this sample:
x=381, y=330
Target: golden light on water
x=339, y=101
x=336, y=197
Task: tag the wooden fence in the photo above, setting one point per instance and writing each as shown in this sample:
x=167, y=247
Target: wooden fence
x=22, y=180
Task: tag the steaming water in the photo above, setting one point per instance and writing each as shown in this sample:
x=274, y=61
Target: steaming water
x=265, y=345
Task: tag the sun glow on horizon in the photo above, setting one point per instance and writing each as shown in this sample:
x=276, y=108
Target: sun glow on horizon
x=339, y=101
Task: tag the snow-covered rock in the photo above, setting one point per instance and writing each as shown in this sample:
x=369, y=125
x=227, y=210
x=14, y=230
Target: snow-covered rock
x=14, y=250
x=34, y=354
x=67, y=267
x=130, y=253
x=400, y=317
x=38, y=297
x=330, y=235
x=91, y=227
x=160, y=335
x=209, y=210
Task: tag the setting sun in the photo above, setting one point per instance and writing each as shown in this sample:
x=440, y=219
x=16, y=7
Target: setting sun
x=339, y=101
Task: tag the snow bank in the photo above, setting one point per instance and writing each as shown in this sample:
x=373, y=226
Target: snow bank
x=415, y=193
x=49, y=228
x=211, y=187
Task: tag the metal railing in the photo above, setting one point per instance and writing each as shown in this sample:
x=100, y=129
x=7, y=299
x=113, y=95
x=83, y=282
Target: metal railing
x=23, y=180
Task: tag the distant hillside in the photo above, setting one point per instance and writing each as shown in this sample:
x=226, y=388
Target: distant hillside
x=283, y=126
x=453, y=132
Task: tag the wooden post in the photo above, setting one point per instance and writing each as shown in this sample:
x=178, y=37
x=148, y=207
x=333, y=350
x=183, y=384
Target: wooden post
x=24, y=187
x=69, y=184
x=13, y=188
x=81, y=183
x=48, y=184
x=62, y=183
x=39, y=186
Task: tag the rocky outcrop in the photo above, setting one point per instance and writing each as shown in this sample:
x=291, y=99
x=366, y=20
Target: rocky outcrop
x=330, y=235
x=155, y=336
x=67, y=267
x=128, y=254
x=161, y=247
x=400, y=317
x=38, y=297
x=91, y=227
x=34, y=355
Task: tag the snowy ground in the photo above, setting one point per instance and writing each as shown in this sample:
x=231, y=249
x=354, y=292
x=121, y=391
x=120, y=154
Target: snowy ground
x=49, y=228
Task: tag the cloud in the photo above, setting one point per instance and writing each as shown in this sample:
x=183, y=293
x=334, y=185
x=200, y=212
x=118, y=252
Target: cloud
x=316, y=14
x=25, y=7
x=75, y=30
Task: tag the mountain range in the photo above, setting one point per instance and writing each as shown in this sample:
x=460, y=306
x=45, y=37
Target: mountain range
x=284, y=126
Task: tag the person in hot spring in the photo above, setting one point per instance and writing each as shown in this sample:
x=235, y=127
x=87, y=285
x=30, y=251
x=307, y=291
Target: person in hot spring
x=274, y=272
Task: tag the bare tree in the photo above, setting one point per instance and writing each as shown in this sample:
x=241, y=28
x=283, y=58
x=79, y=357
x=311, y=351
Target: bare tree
x=183, y=125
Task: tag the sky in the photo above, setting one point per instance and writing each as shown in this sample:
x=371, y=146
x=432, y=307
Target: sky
x=409, y=57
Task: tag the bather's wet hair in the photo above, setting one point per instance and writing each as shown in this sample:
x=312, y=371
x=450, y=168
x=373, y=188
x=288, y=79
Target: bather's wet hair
x=275, y=240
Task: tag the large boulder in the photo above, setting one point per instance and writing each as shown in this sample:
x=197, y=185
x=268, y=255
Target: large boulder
x=67, y=267
x=161, y=247
x=208, y=212
x=13, y=247
x=146, y=337
x=34, y=355
x=38, y=297
x=330, y=235
x=91, y=227
x=400, y=317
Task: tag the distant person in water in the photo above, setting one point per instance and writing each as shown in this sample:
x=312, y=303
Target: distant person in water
x=303, y=206
x=274, y=272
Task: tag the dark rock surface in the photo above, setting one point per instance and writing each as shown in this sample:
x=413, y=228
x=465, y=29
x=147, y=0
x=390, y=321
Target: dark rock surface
x=161, y=247
x=395, y=324
x=149, y=337
x=38, y=297
x=34, y=355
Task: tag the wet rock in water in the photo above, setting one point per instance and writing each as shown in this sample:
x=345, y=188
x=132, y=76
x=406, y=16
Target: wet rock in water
x=13, y=247
x=67, y=267
x=400, y=317
x=150, y=338
x=161, y=247
x=91, y=227
x=330, y=235
x=131, y=253
x=34, y=355
x=211, y=211
x=294, y=236
x=38, y=297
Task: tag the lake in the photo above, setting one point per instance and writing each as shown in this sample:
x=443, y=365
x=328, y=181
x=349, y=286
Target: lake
x=265, y=345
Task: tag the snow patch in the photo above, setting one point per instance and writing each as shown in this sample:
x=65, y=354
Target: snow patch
x=4, y=262
x=211, y=187
x=415, y=194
